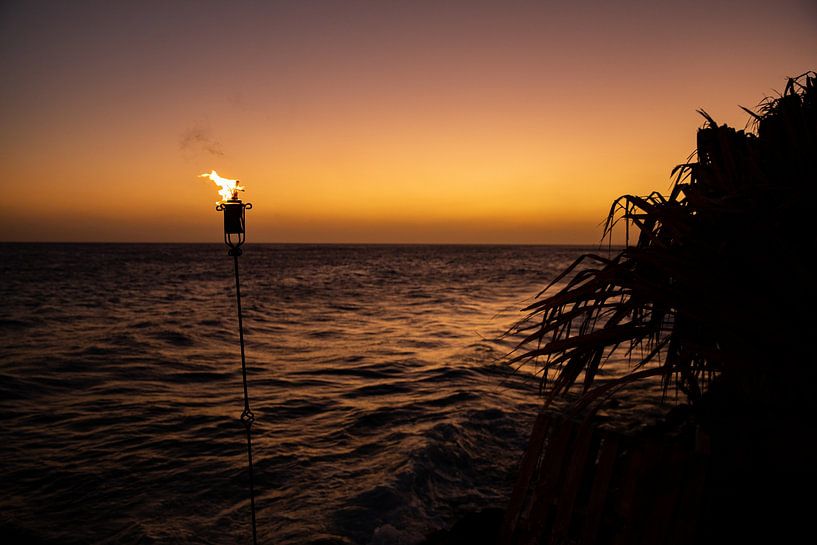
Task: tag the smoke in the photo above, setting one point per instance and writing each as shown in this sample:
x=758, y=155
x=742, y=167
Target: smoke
x=198, y=140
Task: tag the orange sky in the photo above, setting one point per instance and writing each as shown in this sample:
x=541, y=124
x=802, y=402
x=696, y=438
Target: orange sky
x=477, y=122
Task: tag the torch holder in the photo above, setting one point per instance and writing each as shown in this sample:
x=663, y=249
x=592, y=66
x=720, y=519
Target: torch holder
x=234, y=235
x=234, y=226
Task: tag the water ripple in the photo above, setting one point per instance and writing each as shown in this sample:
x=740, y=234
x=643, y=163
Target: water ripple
x=380, y=413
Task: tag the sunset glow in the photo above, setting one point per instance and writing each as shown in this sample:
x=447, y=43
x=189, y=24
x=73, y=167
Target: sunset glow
x=475, y=122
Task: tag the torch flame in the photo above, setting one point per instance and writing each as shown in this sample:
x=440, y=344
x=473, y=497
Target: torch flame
x=229, y=188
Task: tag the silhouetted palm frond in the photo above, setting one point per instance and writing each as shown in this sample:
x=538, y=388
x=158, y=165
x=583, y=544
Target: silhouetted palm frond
x=717, y=284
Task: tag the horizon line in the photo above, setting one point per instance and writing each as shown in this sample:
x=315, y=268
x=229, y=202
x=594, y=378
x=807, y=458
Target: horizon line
x=349, y=243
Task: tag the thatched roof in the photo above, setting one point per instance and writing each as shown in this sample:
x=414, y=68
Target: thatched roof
x=715, y=283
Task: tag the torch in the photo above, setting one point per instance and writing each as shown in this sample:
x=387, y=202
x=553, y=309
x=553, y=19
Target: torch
x=234, y=236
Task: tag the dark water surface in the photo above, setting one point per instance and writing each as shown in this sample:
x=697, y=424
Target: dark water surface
x=381, y=415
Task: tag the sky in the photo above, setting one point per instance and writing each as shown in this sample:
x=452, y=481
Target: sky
x=368, y=122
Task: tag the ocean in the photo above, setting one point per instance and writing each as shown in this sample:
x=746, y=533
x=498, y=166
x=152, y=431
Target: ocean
x=383, y=411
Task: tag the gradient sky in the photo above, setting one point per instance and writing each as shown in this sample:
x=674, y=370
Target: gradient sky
x=378, y=121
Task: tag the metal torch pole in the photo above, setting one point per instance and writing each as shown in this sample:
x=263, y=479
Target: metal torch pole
x=247, y=417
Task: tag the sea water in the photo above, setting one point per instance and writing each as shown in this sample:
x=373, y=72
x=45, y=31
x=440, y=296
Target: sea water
x=383, y=411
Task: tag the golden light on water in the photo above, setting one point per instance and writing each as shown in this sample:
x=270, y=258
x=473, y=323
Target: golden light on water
x=229, y=188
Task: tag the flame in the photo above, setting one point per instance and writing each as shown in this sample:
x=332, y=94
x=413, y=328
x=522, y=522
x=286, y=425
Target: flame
x=229, y=188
